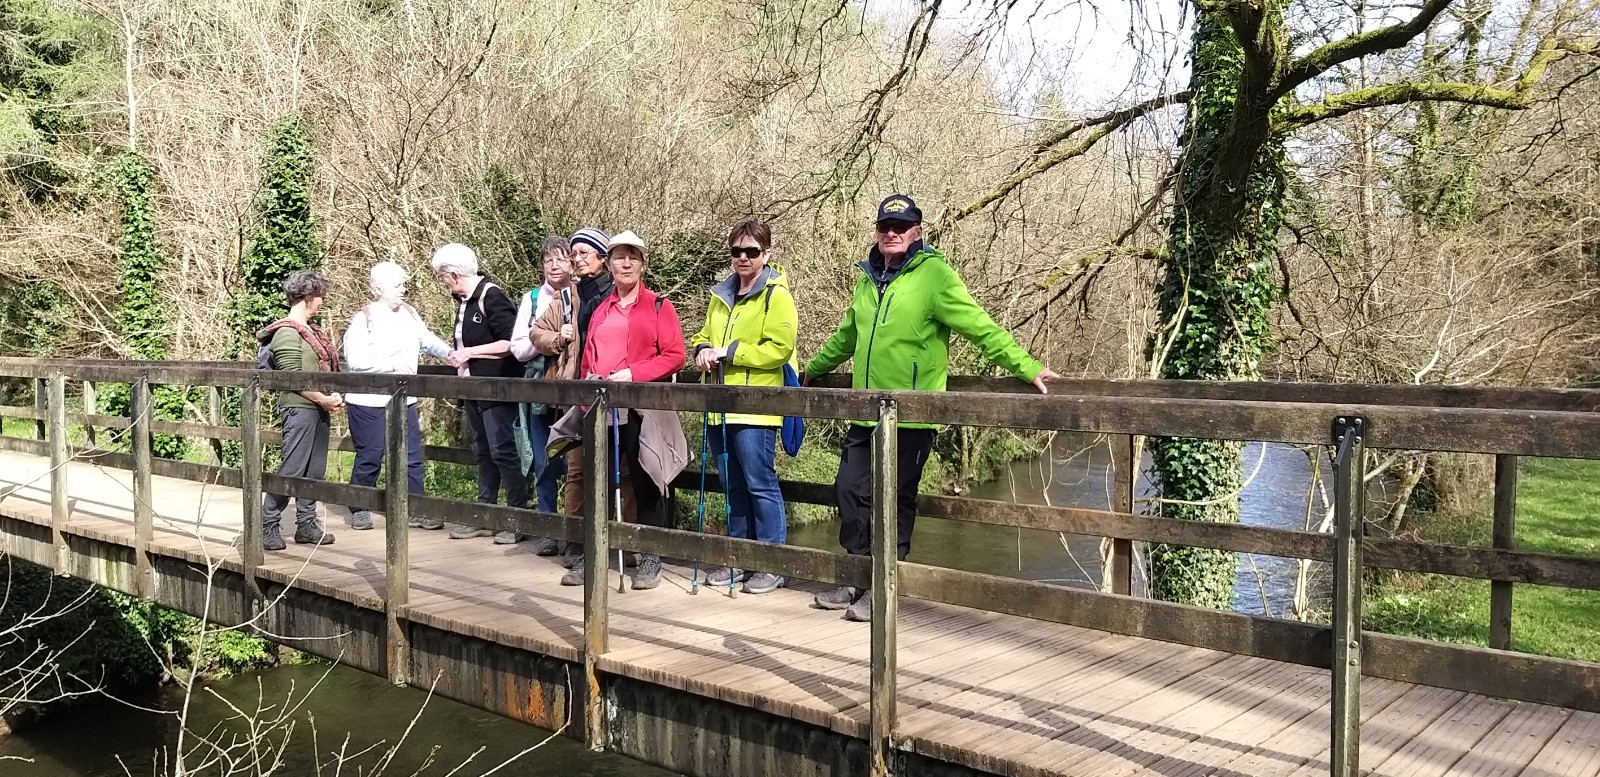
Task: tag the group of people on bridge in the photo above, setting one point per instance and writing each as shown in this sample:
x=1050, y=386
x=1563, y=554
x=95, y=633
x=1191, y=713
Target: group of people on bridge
x=593, y=318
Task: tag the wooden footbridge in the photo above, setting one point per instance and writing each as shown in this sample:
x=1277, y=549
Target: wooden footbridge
x=958, y=673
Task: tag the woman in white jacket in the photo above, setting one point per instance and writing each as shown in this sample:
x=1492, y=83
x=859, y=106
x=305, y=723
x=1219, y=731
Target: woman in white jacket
x=386, y=337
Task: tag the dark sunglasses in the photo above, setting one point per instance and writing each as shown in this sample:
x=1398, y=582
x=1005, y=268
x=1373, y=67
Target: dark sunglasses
x=734, y=252
x=897, y=227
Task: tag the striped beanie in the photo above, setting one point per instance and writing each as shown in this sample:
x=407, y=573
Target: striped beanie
x=594, y=238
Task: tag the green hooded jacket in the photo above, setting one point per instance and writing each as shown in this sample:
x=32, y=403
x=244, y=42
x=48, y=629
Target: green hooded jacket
x=898, y=327
x=758, y=330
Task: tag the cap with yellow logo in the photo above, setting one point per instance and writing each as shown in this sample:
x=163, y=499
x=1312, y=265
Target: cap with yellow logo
x=898, y=207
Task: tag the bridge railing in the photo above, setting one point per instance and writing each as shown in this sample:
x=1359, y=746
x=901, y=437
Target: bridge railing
x=1505, y=422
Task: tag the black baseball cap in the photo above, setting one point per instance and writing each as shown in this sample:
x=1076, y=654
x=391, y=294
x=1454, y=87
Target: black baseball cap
x=898, y=207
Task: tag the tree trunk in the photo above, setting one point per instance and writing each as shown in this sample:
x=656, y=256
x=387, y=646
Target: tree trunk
x=1214, y=296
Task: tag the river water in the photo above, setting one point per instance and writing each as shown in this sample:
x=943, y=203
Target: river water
x=100, y=737
x=1078, y=474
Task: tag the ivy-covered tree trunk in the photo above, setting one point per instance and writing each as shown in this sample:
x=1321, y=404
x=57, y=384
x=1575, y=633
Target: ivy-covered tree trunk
x=1215, y=294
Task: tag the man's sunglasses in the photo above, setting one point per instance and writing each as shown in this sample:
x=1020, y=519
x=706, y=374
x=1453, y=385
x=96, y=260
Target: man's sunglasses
x=734, y=252
x=897, y=227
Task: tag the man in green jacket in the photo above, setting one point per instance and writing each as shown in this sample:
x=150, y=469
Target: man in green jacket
x=897, y=328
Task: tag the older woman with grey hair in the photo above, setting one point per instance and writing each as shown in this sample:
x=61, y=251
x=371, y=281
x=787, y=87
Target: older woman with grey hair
x=291, y=344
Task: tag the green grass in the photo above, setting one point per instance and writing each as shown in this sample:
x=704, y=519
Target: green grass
x=1557, y=503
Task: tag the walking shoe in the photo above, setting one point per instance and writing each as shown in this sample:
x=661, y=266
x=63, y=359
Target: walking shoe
x=837, y=599
x=361, y=521
x=720, y=576
x=648, y=575
x=272, y=539
x=861, y=611
x=432, y=524
x=574, y=575
x=465, y=532
x=312, y=535
x=571, y=555
x=507, y=538
x=764, y=582
x=414, y=522
x=544, y=546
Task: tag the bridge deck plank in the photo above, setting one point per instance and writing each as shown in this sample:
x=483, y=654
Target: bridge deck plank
x=990, y=691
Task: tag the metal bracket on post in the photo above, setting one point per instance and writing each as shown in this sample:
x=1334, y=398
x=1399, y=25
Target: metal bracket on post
x=885, y=587
x=1349, y=511
x=597, y=545
x=397, y=555
x=60, y=497
x=143, y=505
x=250, y=550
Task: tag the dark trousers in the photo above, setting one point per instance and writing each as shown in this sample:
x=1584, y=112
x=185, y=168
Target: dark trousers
x=648, y=506
x=369, y=431
x=496, y=449
x=854, y=487
x=546, y=474
x=305, y=455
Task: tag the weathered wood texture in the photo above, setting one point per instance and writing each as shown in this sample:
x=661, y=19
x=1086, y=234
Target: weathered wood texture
x=774, y=687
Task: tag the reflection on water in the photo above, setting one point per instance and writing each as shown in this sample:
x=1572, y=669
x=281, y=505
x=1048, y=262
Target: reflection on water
x=1078, y=474
x=99, y=738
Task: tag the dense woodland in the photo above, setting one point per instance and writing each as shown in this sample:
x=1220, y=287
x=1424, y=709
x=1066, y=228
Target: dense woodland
x=1317, y=190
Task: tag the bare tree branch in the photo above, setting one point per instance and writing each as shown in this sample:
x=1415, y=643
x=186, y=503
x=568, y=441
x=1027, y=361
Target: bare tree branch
x=1359, y=45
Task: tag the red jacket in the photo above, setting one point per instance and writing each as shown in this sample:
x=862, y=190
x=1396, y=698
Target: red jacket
x=655, y=338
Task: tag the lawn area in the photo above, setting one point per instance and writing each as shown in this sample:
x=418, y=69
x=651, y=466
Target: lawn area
x=1558, y=511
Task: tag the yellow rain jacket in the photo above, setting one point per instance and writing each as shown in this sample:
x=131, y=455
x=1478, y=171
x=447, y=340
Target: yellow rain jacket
x=758, y=330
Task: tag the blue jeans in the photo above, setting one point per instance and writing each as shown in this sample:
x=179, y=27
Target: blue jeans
x=496, y=449
x=368, y=430
x=546, y=479
x=751, y=476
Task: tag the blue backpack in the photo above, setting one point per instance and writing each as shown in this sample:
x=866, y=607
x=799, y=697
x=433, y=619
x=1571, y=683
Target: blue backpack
x=794, y=427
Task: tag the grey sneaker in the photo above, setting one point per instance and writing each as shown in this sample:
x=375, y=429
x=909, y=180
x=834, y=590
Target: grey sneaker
x=432, y=524
x=361, y=521
x=507, y=538
x=312, y=534
x=722, y=576
x=648, y=575
x=468, y=532
x=837, y=599
x=414, y=522
x=544, y=546
x=272, y=539
x=861, y=611
x=574, y=575
x=764, y=583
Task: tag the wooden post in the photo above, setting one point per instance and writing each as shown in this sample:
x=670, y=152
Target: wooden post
x=139, y=406
x=1505, y=537
x=250, y=551
x=597, y=546
x=60, y=504
x=90, y=403
x=214, y=417
x=1349, y=512
x=397, y=555
x=41, y=387
x=885, y=587
x=1125, y=463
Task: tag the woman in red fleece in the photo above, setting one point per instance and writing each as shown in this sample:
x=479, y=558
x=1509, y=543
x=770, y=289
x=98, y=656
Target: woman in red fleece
x=634, y=336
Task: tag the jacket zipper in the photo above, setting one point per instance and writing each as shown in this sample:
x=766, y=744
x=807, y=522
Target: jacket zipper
x=914, y=367
x=881, y=312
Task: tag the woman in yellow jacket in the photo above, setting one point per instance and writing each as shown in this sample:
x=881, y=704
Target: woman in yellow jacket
x=748, y=337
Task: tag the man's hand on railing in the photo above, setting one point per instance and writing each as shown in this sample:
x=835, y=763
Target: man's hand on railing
x=1039, y=380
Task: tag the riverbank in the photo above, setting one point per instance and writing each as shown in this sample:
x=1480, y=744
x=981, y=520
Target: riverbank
x=1556, y=503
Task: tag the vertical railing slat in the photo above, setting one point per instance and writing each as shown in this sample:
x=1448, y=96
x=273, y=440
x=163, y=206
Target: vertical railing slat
x=885, y=588
x=1349, y=505
x=90, y=404
x=214, y=418
x=139, y=407
x=597, y=546
x=250, y=551
x=60, y=504
x=1505, y=537
x=41, y=388
x=397, y=554
x=1125, y=463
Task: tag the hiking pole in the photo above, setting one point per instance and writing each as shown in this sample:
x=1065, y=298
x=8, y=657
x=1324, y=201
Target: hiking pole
x=616, y=495
x=722, y=472
x=700, y=510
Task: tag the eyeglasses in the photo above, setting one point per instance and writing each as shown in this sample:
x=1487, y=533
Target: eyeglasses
x=897, y=227
x=734, y=252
